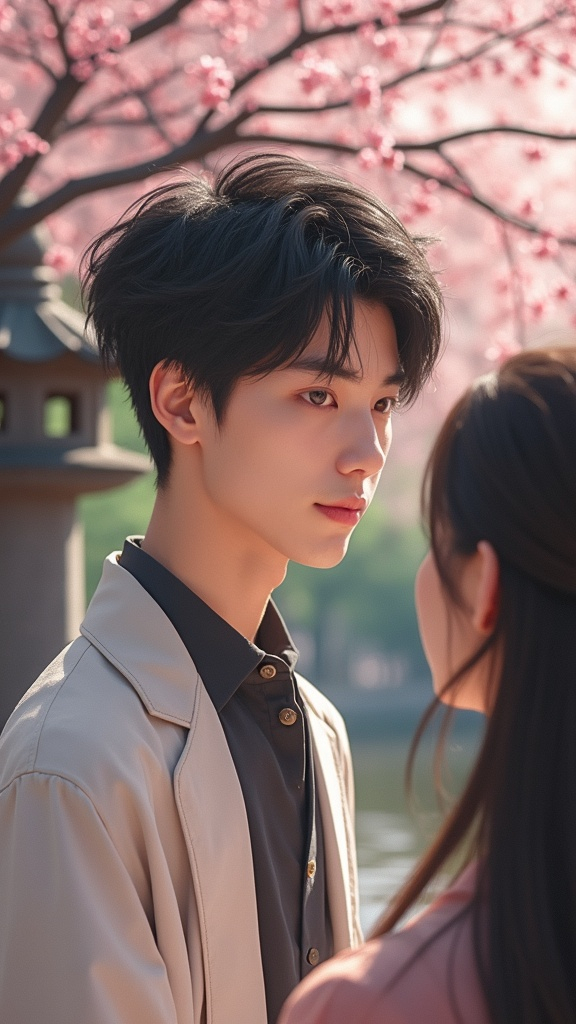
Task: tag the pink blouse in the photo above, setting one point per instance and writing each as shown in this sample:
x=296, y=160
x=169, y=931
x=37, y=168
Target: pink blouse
x=384, y=982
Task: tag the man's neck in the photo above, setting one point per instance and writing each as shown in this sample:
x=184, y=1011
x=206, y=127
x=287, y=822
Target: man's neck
x=233, y=579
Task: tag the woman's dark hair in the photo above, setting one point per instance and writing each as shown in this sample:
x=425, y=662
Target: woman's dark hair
x=231, y=280
x=504, y=470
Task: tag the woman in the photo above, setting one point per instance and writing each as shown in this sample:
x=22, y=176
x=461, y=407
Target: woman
x=496, y=601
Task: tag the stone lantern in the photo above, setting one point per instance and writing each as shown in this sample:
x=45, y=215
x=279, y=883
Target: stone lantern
x=55, y=444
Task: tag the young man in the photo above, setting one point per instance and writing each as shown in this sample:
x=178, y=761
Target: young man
x=176, y=820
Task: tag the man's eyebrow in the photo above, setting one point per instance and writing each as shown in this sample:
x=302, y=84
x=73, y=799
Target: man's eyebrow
x=317, y=365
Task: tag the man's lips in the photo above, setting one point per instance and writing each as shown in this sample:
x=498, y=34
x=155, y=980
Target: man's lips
x=348, y=512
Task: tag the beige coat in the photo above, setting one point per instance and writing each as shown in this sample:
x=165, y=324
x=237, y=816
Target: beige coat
x=126, y=882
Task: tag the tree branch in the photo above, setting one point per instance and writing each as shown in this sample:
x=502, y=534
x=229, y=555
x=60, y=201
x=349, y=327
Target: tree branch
x=19, y=219
x=493, y=129
x=484, y=204
x=159, y=21
x=57, y=103
x=307, y=36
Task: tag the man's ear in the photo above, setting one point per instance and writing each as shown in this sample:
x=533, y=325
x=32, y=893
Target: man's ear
x=486, y=600
x=175, y=403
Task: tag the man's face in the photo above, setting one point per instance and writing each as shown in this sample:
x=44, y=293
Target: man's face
x=293, y=466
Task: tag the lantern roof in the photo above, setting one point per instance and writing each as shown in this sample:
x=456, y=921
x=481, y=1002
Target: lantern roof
x=35, y=324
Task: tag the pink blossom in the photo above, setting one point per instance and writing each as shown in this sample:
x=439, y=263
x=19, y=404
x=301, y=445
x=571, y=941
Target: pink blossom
x=214, y=12
x=380, y=138
x=30, y=144
x=366, y=92
x=234, y=35
x=537, y=307
x=535, y=151
x=562, y=290
x=337, y=11
x=530, y=206
x=389, y=43
x=92, y=30
x=16, y=142
x=316, y=73
x=82, y=70
x=60, y=258
x=139, y=10
x=545, y=246
x=387, y=12
x=503, y=283
x=217, y=81
x=393, y=160
x=131, y=109
x=368, y=158
x=422, y=198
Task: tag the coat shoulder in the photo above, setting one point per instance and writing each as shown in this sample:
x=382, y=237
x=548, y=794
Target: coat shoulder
x=84, y=722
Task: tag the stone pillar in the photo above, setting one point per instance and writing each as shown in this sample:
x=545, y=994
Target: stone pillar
x=47, y=366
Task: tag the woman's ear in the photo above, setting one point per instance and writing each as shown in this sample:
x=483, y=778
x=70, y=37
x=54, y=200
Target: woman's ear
x=174, y=403
x=486, y=601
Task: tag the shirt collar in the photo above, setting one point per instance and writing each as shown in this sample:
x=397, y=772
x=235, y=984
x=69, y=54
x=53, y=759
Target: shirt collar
x=222, y=656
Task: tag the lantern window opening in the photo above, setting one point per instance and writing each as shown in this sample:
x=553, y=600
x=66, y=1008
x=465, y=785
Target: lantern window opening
x=61, y=415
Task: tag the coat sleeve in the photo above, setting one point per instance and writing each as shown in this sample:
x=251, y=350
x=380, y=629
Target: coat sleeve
x=76, y=944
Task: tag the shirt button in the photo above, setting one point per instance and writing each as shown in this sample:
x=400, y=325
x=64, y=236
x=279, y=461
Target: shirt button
x=267, y=671
x=311, y=869
x=313, y=956
x=288, y=716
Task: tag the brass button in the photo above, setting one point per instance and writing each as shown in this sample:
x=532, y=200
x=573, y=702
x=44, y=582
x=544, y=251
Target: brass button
x=313, y=956
x=267, y=671
x=288, y=716
x=311, y=869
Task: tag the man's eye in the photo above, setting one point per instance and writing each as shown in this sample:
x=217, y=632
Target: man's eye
x=386, y=404
x=318, y=397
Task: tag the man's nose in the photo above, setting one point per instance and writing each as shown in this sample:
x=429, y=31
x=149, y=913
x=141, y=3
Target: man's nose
x=364, y=448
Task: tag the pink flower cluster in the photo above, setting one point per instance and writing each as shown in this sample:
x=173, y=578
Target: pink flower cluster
x=339, y=12
x=380, y=151
x=315, y=72
x=366, y=92
x=16, y=142
x=216, y=81
x=93, y=37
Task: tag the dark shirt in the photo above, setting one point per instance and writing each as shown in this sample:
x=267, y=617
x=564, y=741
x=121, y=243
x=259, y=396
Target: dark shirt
x=255, y=692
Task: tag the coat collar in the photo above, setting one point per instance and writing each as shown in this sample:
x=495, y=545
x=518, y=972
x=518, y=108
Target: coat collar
x=127, y=626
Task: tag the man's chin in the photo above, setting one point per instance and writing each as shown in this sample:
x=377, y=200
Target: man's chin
x=324, y=559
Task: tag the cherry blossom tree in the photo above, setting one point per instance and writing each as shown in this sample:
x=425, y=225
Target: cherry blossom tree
x=460, y=113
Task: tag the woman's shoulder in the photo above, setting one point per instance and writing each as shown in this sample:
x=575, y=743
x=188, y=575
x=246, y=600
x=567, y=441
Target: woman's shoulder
x=425, y=971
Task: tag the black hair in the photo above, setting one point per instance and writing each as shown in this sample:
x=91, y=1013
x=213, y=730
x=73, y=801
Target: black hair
x=503, y=469
x=230, y=280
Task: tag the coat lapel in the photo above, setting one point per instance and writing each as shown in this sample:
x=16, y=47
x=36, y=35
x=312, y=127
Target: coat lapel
x=338, y=829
